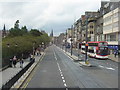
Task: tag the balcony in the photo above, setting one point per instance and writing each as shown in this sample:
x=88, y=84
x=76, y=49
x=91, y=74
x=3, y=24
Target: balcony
x=91, y=19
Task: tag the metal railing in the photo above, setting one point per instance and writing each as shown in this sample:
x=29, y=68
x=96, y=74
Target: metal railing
x=12, y=81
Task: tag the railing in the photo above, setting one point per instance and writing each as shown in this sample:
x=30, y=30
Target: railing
x=12, y=81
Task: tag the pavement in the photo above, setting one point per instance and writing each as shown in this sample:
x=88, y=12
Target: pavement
x=58, y=70
x=10, y=72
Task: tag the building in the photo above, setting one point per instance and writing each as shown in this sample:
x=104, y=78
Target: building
x=111, y=24
x=83, y=27
x=61, y=39
x=91, y=26
x=4, y=32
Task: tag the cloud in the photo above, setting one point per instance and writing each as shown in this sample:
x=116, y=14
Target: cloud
x=45, y=14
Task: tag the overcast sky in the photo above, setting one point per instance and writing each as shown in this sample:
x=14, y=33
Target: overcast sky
x=45, y=14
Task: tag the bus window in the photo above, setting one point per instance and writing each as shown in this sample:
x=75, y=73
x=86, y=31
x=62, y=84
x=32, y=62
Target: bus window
x=103, y=51
x=91, y=51
x=103, y=44
x=83, y=48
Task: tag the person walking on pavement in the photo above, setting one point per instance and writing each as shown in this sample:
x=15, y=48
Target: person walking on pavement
x=31, y=57
x=21, y=63
x=14, y=61
x=10, y=63
x=115, y=53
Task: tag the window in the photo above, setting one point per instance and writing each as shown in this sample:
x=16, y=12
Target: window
x=91, y=27
x=103, y=43
x=91, y=51
x=93, y=44
x=115, y=25
x=115, y=15
x=111, y=37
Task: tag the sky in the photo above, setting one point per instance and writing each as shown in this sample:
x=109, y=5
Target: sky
x=45, y=14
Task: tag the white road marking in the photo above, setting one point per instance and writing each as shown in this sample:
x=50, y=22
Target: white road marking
x=64, y=81
x=65, y=85
x=101, y=66
x=106, y=67
x=62, y=77
x=60, y=72
x=110, y=68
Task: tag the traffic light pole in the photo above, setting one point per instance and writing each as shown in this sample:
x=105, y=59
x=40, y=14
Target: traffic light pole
x=86, y=39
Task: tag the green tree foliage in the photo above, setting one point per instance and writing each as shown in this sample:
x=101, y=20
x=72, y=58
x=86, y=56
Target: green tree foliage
x=35, y=32
x=24, y=40
x=16, y=31
x=16, y=26
x=24, y=30
x=24, y=45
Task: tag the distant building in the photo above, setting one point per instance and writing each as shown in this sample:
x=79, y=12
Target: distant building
x=4, y=32
x=52, y=37
x=51, y=34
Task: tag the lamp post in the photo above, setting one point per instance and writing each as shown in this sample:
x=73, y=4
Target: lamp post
x=43, y=45
x=66, y=42
x=86, y=39
x=33, y=48
x=71, y=39
x=10, y=61
x=16, y=45
x=8, y=45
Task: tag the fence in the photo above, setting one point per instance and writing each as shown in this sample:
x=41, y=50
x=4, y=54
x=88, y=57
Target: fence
x=12, y=81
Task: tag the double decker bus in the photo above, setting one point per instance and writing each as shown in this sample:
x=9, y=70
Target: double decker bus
x=98, y=49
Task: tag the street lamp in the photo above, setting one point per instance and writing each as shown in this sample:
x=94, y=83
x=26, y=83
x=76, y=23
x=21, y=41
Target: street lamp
x=71, y=39
x=8, y=45
x=33, y=48
x=16, y=48
x=66, y=42
x=43, y=45
x=71, y=46
x=86, y=39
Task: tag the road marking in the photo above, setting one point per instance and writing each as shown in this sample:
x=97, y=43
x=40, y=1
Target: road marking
x=61, y=72
x=106, y=67
x=62, y=77
x=32, y=73
x=65, y=85
x=64, y=81
x=110, y=68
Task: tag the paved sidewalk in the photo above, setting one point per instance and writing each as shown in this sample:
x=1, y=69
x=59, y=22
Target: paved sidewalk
x=112, y=57
x=8, y=73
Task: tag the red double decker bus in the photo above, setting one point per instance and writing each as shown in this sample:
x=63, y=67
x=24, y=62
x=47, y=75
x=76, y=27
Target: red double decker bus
x=98, y=49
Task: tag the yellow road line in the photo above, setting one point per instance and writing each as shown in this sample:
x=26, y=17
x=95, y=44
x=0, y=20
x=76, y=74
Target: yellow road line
x=32, y=74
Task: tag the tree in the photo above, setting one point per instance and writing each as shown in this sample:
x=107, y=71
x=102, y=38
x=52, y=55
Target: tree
x=16, y=30
x=24, y=30
x=16, y=26
x=35, y=32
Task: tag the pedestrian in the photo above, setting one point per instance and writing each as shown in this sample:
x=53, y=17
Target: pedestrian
x=31, y=57
x=115, y=53
x=14, y=61
x=21, y=63
x=10, y=64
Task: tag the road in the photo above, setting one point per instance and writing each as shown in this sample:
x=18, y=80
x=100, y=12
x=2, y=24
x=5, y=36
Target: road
x=57, y=70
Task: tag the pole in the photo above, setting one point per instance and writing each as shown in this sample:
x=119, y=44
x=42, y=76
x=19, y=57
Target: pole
x=86, y=39
x=71, y=39
x=66, y=41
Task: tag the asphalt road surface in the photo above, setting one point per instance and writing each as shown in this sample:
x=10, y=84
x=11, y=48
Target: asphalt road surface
x=57, y=70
